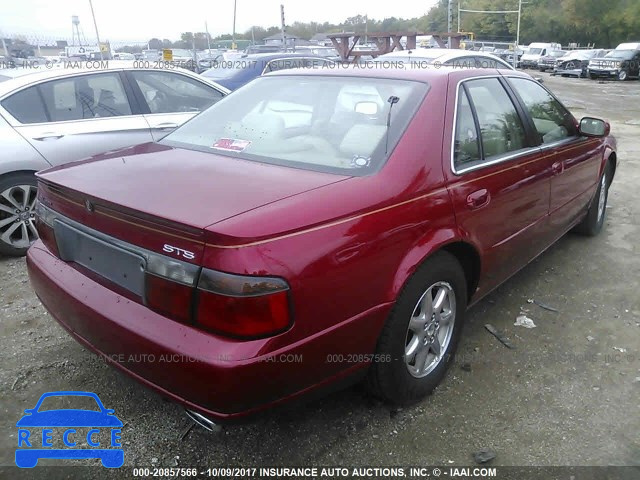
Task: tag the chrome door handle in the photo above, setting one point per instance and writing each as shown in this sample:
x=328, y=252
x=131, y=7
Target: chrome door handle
x=48, y=136
x=166, y=126
x=478, y=199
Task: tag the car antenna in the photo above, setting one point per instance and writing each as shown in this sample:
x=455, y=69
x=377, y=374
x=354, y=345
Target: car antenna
x=392, y=100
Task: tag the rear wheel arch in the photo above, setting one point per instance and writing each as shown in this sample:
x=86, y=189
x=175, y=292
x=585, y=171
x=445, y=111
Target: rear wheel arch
x=464, y=252
x=469, y=260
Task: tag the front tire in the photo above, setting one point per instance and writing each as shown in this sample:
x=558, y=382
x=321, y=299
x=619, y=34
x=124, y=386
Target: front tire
x=17, y=213
x=592, y=224
x=623, y=75
x=421, y=335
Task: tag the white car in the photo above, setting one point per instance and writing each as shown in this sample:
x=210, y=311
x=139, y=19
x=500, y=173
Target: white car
x=445, y=57
x=54, y=114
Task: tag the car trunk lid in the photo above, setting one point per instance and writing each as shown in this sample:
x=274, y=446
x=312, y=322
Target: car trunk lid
x=162, y=198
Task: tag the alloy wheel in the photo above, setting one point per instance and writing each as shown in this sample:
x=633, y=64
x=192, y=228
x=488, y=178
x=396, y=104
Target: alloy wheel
x=430, y=329
x=17, y=216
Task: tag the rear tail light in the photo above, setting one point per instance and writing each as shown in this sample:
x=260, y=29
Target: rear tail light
x=242, y=306
x=44, y=225
x=169, y=298
x=169, y=287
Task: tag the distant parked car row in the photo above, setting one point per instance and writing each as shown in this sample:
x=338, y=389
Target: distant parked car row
x=623, y=63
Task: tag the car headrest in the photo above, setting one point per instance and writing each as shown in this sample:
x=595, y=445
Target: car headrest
x=362, y=139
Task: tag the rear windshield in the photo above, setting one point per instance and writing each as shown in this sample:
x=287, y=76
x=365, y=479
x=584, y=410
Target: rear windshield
x=324, y=123
x=625, y=54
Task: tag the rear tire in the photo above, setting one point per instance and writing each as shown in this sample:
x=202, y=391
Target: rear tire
x=592, y=224
x=418, y=342
x=17, y=203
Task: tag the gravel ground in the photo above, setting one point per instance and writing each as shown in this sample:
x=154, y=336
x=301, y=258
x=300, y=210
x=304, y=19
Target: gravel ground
x=567, y=395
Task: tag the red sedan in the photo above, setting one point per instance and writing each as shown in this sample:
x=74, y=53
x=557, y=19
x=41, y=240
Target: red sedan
x=313, y=228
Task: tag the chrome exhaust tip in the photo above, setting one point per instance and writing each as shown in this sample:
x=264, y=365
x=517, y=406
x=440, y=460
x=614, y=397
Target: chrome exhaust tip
x=203, y=421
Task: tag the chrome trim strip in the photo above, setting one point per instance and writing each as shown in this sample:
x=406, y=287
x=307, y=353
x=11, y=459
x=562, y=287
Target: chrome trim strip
x=504, y=158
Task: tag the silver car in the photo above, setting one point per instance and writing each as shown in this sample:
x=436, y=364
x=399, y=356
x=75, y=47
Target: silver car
x=54, y=114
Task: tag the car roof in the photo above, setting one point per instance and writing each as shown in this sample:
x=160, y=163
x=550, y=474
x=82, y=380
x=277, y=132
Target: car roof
x=439, y=53
x=426, y=75
x=23, y=76
x=274, y=55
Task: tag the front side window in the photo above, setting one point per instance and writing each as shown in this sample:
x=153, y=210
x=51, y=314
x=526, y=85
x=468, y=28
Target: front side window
x=167, y=92
x=333, y=124
x=501, y=129
x=552, y=121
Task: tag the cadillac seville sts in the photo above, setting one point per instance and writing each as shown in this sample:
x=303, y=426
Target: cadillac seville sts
x=314, y=228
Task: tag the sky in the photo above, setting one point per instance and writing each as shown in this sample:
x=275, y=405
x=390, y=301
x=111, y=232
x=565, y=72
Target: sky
x=140, y=20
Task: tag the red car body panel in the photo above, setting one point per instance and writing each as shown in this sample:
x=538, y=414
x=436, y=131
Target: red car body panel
x=345, y=245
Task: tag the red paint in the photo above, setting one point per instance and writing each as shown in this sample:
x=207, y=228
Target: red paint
x=345, y=246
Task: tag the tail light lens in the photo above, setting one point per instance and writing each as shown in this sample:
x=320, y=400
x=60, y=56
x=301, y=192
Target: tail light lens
x=169, y=287
x=242, y=306
x=169, y=298
x=44, y=225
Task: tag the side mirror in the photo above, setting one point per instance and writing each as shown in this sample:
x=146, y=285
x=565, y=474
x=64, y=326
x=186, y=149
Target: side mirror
x=366, y=108
x=594, y=127
x=539, y=79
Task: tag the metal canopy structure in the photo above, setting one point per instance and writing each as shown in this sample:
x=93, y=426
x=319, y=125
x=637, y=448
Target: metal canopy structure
x=345, y=43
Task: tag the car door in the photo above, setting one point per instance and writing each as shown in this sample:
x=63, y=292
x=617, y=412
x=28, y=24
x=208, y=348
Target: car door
x=575, y=159
x=498, y=182
x=170, y=98
x=76, y=116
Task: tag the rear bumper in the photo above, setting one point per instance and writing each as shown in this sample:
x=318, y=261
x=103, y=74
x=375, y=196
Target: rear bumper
x=222, y=378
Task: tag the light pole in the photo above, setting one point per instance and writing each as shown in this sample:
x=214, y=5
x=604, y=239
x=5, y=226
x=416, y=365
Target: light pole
x=96, y=27
x=449, y=21
x=515, y=50
x=233, y=37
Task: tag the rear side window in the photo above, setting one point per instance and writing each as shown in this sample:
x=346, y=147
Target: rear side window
x=467, y=144
x=552, y=121
x=501, y=128
x=26, y=106
x=84, y=97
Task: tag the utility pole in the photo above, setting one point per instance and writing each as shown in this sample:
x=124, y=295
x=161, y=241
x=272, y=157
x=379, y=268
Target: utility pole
x=515, y=49
x=366, y=28
x=459, y=1
x=96, y=27
x=283, y=27
x=4, y=47
x=233, y=37
x=206, y=29
x=449, y=21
